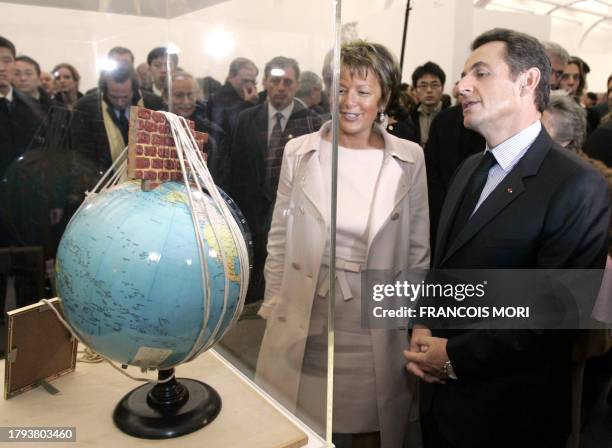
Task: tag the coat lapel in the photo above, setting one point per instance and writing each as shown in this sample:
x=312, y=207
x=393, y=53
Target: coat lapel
x=504, y=194
x=507, y=191
x=309, y=176
x=448, y=213
x=391, y=186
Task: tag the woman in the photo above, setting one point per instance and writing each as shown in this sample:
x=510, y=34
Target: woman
x=382, y=223
x=573, y=79
x=66, y=84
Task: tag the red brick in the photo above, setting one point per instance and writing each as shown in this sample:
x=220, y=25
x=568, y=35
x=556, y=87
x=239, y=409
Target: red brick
x=138, y=174
x=139, y=150
x=142, y=137
x=175, y=175
x=150, y=175
x=157, y=139
x=173, y=154
x=151, y=151
x=163, y=175
x=142, y=162
x=169, y=164
x=150, y=126
x=191, y=124
x=144, y=113
x=141, y=125
x=158, y=117
x=158, y=164
x=169, y=141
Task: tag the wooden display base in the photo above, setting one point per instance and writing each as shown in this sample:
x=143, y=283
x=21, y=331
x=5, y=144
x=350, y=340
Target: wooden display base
x=88, y=397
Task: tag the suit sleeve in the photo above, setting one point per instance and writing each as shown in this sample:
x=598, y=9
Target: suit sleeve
x=277, y=237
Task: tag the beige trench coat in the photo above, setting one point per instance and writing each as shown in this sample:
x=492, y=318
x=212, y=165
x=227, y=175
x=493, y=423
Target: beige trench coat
x=398, y=239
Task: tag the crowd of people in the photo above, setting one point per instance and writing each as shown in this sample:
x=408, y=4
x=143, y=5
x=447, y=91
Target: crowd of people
x=517, y=174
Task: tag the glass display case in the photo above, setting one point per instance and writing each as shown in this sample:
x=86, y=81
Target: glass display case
x=84, y=69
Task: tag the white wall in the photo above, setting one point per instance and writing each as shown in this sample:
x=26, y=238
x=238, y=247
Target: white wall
x=439, y=30
x=595, y=50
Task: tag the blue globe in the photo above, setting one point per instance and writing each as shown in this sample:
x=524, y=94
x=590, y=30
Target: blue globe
x=130, y=278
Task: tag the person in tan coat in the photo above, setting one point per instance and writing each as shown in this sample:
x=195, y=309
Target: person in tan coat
x=382, y=223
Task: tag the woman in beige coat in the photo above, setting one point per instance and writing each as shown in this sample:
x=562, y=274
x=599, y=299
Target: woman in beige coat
x=382, y=223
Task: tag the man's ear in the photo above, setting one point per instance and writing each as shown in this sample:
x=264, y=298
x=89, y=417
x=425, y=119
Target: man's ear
x=530, y=79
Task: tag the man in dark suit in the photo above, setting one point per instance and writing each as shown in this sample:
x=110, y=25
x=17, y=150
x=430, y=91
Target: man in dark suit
x=100, y=123
x=182, y=101
x=257, y=151
x=20, y=116
x=449, y=144
x=526, y=203
x=237, y=94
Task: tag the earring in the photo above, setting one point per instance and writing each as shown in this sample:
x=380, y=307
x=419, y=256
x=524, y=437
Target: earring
x=382, y=119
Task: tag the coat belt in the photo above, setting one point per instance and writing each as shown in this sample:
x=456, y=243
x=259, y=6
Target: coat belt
x=342, y=267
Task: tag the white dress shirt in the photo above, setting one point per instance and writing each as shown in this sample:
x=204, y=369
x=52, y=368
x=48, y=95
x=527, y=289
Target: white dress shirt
x=507, y=154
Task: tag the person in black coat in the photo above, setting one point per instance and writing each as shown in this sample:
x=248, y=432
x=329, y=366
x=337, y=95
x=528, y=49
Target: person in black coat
x=237, y=94
x=256, y=155
x=449, y=144
x=100, y=123
x=20, y=116
x=599, y=144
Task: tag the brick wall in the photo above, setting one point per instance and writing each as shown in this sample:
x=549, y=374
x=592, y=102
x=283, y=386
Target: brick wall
x=151, y=150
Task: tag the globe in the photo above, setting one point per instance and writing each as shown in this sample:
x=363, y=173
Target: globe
x=131, y=280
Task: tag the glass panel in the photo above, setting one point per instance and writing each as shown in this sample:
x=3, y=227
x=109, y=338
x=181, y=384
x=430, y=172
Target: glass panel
x=229, y=67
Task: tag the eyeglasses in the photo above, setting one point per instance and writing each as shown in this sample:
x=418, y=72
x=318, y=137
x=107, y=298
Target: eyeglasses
x=432, y=86
x=557, y=73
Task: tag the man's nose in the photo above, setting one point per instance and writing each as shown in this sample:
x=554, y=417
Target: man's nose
x=464, y=86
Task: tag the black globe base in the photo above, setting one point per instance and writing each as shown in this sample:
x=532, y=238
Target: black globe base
x=167, y=410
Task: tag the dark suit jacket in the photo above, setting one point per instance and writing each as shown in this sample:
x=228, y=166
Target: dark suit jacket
x=18, y=127
x=217, y=146
x=551, y=211
x=449, y=144
x=247, y=175
x=224, y=106
x=87, y=127
x=599, y=144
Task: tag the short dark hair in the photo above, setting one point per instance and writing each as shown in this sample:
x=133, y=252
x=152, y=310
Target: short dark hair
x=238, y=64
x=71, y=68
x=119, y=74
x=359, y=56
x=30, y=61
x=5, y=43
x=121, y=50
x=429, y=68
x=522, y=53
x=282, y=62
x=161, y=52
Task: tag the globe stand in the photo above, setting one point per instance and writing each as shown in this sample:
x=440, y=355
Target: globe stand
x=165, y=410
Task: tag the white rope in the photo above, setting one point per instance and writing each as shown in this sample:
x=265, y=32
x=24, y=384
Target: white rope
x=112, y=364
x=197, y=172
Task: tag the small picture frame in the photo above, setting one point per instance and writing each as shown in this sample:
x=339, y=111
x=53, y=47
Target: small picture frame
x=39, y=348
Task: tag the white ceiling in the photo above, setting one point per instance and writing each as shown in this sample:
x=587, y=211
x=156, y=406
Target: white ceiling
x=590, y=14
x=148, y=8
